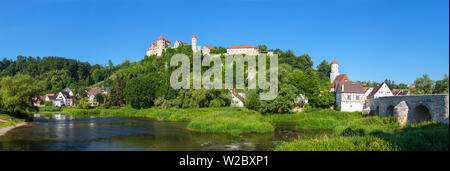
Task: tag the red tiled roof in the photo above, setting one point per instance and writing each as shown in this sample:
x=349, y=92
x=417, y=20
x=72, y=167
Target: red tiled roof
x=334, y=62
x=240, y=46
x=209, y=47
x=365, y=88
x=194, y=37
x=340, y=78
x=162, y=38
x=350, y=87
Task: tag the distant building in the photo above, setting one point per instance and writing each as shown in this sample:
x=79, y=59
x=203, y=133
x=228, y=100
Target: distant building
x=207, y=50
x=237, y=99
x=381, y=90
x=179, y=43
x=242, y=49
x=334, y=70
x=62, y=99
x=157, y=47
x=339, y=79
x=94, y=91
x=350, y=96
x=194, y=44
x=400, y=92
x=367, y=90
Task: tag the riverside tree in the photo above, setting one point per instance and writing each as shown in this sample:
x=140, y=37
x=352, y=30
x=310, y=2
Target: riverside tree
x=17, y=93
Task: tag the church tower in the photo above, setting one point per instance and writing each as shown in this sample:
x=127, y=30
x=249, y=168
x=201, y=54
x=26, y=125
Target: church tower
x=194, y=43
x=334, y=70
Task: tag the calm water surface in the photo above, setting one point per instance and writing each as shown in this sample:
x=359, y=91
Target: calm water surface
x=62, y=132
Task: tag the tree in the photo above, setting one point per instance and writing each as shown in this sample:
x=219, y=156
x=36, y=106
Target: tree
x=100, y=98
x=283, y=103
x=424, y=85
x=441, y=86
x=116, y=97
x=17, y=93
x=324, y=70
x=139, y=92
x=402, y=86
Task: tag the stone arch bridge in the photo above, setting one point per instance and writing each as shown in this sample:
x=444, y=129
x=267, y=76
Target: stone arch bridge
x=411, y=108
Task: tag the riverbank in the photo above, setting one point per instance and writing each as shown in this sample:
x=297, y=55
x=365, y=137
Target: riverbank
x=8, y=123
x=348, y=131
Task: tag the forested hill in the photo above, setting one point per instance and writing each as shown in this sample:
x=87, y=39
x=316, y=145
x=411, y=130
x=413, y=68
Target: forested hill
x=133, y=83
x=55, y=73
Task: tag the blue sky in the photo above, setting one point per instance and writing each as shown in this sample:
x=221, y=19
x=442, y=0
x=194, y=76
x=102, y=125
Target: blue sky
x=371, y=39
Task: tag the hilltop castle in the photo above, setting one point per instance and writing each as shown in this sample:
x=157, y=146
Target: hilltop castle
x=157, y=47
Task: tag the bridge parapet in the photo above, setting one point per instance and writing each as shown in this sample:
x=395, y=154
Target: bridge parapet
x=411, y=108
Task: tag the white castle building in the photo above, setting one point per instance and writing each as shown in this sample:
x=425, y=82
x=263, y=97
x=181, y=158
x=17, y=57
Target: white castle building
x=157, y=47
x=242, y=49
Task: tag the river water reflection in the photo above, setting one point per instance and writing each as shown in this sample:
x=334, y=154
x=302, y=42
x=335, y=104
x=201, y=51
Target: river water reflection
x=63, y=132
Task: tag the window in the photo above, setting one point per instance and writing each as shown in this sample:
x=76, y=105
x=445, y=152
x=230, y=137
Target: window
x=349, y=97
x=357, y=97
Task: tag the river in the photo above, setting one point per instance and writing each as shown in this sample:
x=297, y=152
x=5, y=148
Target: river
x=58, y=132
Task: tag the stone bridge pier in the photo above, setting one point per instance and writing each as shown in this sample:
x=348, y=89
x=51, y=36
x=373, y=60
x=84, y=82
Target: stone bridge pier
x=413, y=108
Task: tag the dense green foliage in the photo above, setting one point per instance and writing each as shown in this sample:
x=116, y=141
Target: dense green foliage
x=16, y=93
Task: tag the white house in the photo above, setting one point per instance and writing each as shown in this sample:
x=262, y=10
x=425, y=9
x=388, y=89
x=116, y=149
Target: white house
x=350, y=96
x=62, y=99
x=207, y=50
x=242, y=49
x=380, y=90
x=237, y=99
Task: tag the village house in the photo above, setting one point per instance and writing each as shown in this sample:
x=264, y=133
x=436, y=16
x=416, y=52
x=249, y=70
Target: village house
x=350, y=96
x=237, y=99
x=207, y=50
x=381, y=90
x=367, y=90
x=94, y=91
x=63, y=98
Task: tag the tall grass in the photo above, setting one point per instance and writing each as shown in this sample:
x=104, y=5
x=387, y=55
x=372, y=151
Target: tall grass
x=356, y=143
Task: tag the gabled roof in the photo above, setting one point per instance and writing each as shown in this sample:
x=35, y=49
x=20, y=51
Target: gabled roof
x=340, y=78
x=235, y=93
x=240, y=46
x=334, y=62
x=194, y=37
x=51, y=96
x=209, y=47
x=376, y=89
x=350, y=87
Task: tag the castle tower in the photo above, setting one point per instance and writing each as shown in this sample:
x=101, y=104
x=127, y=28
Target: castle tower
x=334, y=70
x=194, y=43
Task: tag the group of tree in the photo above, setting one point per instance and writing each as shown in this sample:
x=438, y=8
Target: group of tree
x=425, y=85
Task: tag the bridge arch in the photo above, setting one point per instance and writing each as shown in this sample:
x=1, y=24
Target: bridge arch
x=421, y=113
x=390, y=110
